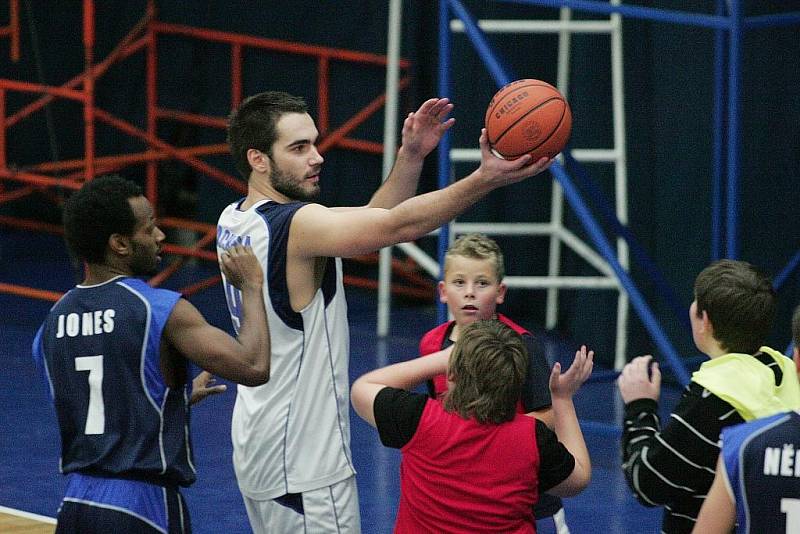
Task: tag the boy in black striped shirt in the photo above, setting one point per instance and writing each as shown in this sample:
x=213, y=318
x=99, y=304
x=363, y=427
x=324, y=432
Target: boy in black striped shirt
x=673, y=466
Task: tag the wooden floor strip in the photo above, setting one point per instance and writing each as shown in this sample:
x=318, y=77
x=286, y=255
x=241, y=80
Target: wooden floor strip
x=19, y=522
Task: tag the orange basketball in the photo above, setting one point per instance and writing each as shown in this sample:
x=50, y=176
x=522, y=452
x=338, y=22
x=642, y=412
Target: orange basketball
x=528, y=117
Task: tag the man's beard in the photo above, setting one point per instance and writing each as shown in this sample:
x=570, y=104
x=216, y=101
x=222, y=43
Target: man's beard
x=290, y=186
x=143, y=263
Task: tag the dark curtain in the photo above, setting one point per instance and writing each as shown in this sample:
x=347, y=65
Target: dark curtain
x=668, y=90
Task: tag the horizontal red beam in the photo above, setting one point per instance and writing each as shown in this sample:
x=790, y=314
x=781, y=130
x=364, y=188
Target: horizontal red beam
x=186, y=224
x=192, y=118
x=33, y=226
x=200, y=286
x=208, y=170
x=275, y=45
x=27, y=87
x=125, y=48
x=38, y=179
x=188, y=251
x=175, y=265
x=30, y=292
x=369, y=147
x=358, y=119
x=16, y=194
x=128, y=159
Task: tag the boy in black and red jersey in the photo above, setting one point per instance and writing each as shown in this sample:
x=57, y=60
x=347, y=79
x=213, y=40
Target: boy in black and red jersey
x=472, y=287
x=471, y=462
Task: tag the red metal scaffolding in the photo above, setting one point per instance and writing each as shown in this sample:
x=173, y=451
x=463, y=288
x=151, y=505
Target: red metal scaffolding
x=12, y=30
x=143, y=37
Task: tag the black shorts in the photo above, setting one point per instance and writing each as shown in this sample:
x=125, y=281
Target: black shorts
x=95, y=505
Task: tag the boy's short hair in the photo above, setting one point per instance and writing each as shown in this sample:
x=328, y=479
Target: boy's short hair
x=796, y=327
x=740, y=303
x=97, y=210
x=488, y=368
x=479, y=247
x=253, y=124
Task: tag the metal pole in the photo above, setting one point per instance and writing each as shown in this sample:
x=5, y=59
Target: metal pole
x=556, y=195
x=151, y=92
x=734, y=75
x=444, y=144
x=88, y=87
x=389, y=149
x=620, y=178
x=718, y=138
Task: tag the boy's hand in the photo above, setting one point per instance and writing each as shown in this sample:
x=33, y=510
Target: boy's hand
x=241, y=267
x=640, y=379
x=564, y=386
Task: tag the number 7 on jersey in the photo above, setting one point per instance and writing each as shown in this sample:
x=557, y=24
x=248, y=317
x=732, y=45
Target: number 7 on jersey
x=96, y=415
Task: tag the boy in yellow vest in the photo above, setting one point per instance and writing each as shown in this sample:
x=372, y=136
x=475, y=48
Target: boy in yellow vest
x=673, y=466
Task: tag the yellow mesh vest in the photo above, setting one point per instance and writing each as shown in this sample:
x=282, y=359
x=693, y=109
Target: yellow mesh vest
x=749, y=386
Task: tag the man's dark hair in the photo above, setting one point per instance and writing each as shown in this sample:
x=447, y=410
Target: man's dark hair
x=253, y=125
x=96, y=211
x=487, y=367
x=740, y=303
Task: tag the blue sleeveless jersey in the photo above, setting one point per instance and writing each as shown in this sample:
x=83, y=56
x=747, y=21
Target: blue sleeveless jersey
x=100, y=350
x=762, y=466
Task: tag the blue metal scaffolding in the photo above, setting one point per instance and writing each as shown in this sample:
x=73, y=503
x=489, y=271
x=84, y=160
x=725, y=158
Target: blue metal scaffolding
x=729, y=24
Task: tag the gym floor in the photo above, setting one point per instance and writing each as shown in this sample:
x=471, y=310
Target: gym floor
x=29, y=442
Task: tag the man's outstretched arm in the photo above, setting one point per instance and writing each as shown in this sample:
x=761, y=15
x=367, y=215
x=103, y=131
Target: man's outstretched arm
x=317, y=231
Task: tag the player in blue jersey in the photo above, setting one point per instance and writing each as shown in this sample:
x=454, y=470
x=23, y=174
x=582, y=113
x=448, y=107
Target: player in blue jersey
x=757, y=485
x=116, y=354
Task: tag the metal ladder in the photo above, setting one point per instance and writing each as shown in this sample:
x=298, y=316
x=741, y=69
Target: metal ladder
x=565, y=27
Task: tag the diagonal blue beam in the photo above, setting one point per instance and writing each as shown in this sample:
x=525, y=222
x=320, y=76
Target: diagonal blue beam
x=783, y=276
x=588, y=184
x=605, y=249
x=500, y=73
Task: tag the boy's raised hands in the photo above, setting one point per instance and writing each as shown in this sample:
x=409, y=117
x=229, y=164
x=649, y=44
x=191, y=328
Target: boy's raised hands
x=565, y=385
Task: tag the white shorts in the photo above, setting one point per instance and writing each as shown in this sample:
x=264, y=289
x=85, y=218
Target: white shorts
x=331, y=509
x=555, y=524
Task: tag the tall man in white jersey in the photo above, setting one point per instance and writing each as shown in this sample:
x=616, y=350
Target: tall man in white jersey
x=291, y=437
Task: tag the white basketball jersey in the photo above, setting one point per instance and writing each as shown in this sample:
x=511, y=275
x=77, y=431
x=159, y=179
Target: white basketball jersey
x=291, y=434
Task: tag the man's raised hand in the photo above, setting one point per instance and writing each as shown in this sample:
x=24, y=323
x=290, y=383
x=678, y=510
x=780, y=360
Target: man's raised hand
x=424, y=128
